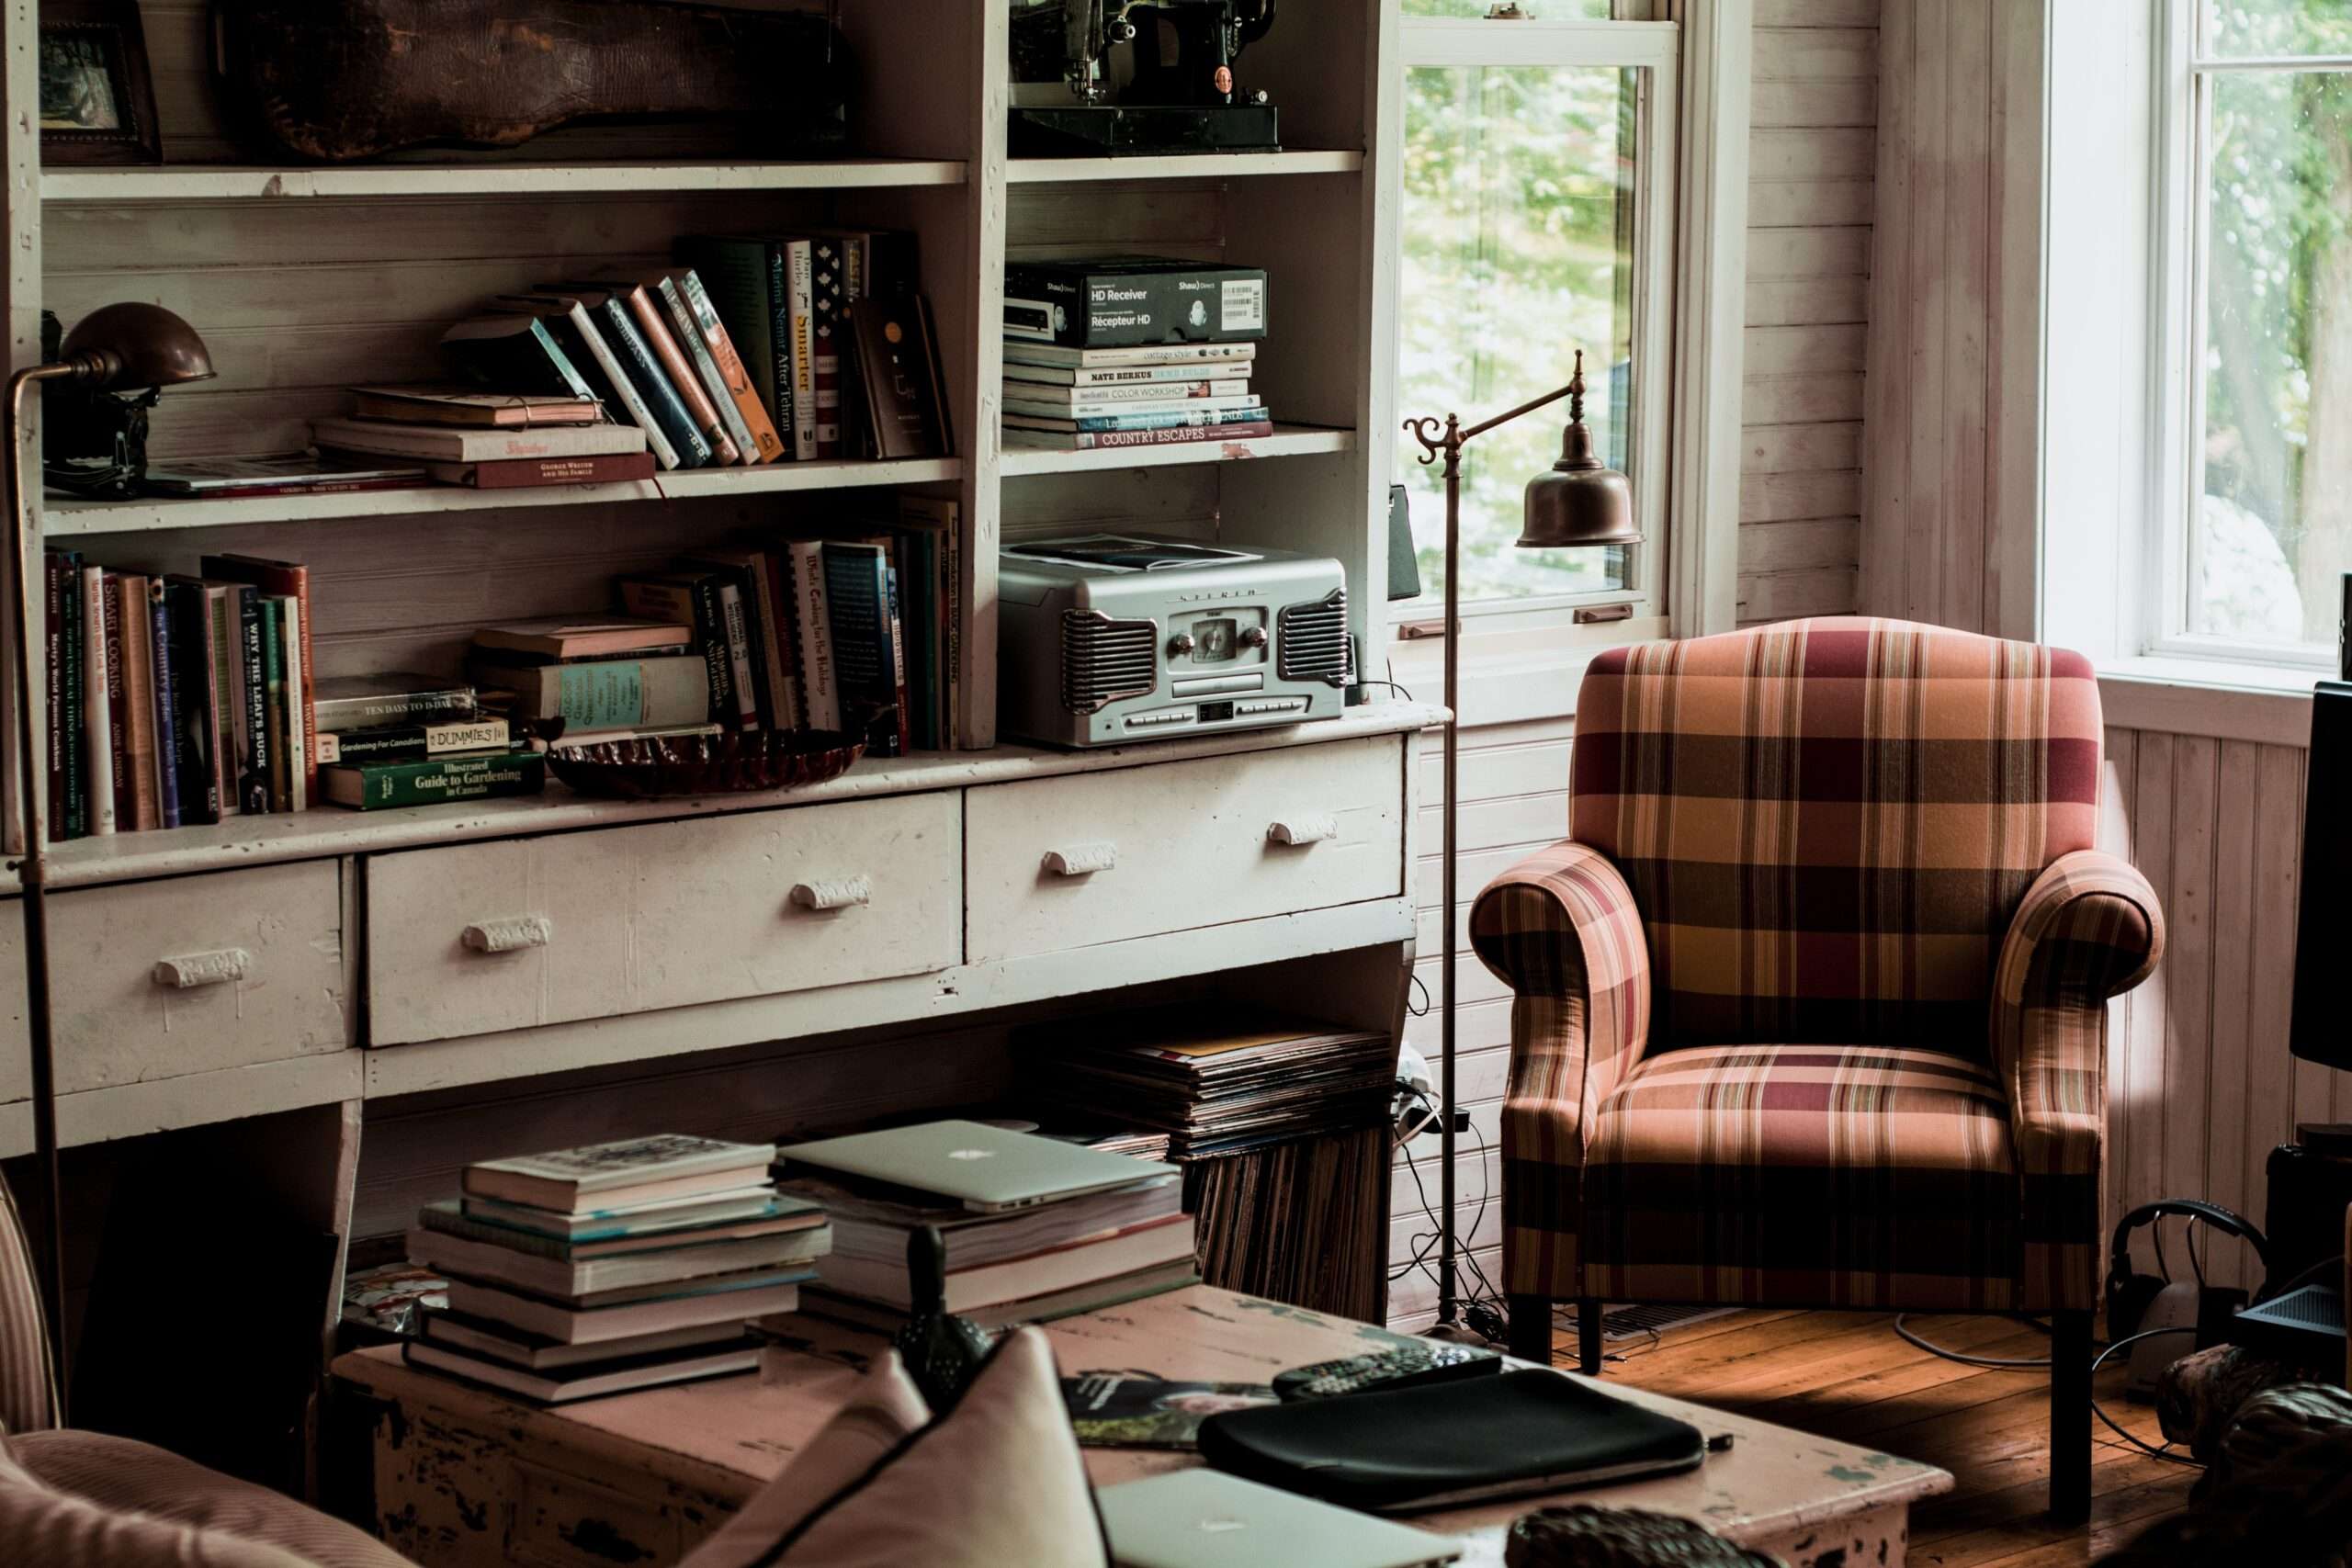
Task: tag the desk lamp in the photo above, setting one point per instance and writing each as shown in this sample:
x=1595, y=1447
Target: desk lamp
x=134, y=346
x=1579, y=504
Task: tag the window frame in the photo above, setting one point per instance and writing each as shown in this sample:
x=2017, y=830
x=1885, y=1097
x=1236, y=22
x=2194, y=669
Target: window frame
x=2185, y=70
x=1661, y=223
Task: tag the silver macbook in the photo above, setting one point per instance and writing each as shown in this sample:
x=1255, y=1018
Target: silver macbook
x=983, y=1168
x=1205, y=1519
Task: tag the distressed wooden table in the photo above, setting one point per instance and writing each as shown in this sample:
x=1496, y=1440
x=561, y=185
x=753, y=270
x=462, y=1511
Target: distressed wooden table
x=465, y=1479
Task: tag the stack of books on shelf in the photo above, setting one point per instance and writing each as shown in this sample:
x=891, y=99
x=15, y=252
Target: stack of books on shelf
x=175, y=700
x=408, y=739
x=490, y=440
x=1087, y=1229
x=613, y=1267
x=1217, y=1081
x=1135, y=351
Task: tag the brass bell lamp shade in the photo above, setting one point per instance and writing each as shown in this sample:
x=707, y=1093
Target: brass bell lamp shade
x=1581, y=501
x=134, y=344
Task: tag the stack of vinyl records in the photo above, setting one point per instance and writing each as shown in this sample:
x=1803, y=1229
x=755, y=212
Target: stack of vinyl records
x=1298, y=1221
x=1217, y=1082
x=1034, y=1228
x=613, y=1266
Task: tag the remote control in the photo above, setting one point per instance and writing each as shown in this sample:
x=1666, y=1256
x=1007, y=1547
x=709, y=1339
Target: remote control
x=1383, y=1372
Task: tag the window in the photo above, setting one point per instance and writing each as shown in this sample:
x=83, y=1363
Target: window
x=1537, y=218
x=2259, y=314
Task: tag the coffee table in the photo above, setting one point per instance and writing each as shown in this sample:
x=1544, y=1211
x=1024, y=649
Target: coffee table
x=459, y=1477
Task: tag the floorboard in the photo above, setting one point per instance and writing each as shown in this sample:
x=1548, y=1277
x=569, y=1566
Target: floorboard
x=1848, y=1376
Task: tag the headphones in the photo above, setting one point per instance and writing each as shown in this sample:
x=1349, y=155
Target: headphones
x=2128, y=1295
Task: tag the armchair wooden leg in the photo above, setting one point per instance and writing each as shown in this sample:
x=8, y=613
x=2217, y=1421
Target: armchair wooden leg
x=1589, y=1337
x=1530, y=1329
x=2070, y=1404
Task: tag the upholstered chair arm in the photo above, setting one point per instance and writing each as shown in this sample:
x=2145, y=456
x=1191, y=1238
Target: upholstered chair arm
x=1561, y=928
x=2088, y=929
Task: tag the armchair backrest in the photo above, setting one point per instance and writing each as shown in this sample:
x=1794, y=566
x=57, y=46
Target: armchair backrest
x=27, y=1398
x=1827, y=824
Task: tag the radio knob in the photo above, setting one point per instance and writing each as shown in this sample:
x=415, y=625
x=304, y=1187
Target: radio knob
x=1253, y=637
x=1180, y=645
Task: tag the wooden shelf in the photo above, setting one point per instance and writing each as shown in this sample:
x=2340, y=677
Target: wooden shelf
x=62, y=518
x=200, y=182
x=1180, y=166
x=1288, y=441
x=331, y=831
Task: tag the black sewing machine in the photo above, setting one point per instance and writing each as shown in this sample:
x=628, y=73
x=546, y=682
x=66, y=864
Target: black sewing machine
x=1123, y=78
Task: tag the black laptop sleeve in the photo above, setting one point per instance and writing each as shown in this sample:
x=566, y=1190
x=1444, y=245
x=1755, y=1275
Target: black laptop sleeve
x=1447, y=1443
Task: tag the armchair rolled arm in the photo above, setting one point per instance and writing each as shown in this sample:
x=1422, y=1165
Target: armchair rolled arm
x=2089, y=929
x=1561, y=926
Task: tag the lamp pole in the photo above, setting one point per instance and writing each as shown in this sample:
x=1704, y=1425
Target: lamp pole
x=1579, y=503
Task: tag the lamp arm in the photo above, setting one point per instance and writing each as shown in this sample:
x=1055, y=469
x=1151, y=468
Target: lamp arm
x=1458, y=436
x=33, y=871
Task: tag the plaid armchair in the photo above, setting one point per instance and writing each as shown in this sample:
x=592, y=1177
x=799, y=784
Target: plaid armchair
x=1811, y=1006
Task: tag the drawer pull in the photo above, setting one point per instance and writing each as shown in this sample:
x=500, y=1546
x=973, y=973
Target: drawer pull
x=1082, y=860
x=193, y=969
x=510, y=935
x=843, y=893
x=1313, y=828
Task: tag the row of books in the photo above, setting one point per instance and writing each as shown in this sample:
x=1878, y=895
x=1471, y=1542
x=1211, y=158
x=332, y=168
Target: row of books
x=175, y=700
x=594, y=1270
x=1138, y=351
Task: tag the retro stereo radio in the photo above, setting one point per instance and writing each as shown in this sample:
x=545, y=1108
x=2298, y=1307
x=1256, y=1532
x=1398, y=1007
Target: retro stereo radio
x=1109, y=638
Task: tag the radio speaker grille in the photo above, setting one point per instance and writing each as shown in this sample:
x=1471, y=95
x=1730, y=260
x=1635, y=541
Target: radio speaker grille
x=1103, y=659
x=1311, y=640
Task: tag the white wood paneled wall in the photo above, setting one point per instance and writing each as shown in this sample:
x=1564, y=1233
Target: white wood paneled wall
x=1811, y=168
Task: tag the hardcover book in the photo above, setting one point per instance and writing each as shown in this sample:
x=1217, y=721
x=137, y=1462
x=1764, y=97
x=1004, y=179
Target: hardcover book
x=517, y=473
x=199, y=727
x=690, y=598
x=652, y=324
x=98, y=706
x=160, y=640
x=413, y=742
x=358, y=701
x=479, y=1336
x=896, y=376
x=606, y=694
x=591, y=1379
x=800, y=306
x=373, y=786
x=432, y=403
x=828, y=322
x=560, y=1179
x=743, y=275
x=1088, y=440
x=1242, y=413
x=686, y=329
x=289, y=581
x=617, y=323
x=459, y=1249
x=857, y=595
x=734, y=365
x=137, y=781
x=456, y=443
x=517, y=352
x=568, y=322
x=297, y=473
x=560, y=638
x=729, y=1299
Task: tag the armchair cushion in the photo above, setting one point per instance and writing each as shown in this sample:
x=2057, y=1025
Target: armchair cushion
x=2091, y=928
x=1847, y=1176
x=1561, y=928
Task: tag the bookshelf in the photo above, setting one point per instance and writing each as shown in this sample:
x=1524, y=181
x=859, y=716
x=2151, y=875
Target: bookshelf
x=305, y=280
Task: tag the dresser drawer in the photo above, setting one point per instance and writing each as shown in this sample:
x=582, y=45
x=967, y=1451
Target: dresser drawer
x=479, y=938
x=157, y=979
x=1070, y=861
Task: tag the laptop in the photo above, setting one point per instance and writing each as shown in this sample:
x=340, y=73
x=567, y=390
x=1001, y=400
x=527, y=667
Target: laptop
x=1204, y=1518
x=987, y=1169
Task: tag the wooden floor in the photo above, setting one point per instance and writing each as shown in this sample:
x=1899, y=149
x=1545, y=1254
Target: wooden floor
x=1846, y=1375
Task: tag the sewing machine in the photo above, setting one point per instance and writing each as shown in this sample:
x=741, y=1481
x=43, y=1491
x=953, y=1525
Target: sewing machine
x=1123, y=78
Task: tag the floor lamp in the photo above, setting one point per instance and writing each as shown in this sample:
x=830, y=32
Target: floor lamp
x=121, y=345
x=1579, y=504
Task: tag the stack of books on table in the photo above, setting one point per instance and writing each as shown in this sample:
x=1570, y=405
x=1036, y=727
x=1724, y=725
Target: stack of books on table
x=1217, y=1081
x=1035, y=1228
x=1137, y=351
x=408, y=739
x=613, y=1266
x=489, y=439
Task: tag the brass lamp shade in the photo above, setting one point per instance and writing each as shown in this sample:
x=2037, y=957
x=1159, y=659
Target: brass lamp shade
x=135, y=345
x=1581, y=501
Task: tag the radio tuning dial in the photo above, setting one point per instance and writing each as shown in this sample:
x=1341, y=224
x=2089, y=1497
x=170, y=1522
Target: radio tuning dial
x=1253, y=637
x=1180, y=645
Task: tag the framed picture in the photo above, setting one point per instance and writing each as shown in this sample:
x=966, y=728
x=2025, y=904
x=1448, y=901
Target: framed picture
x=98, y=103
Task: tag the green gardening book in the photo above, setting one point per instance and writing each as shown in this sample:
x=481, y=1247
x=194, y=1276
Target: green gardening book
x=375, y=786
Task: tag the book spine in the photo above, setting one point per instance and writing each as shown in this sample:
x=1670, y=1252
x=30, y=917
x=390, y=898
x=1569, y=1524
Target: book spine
x=775, y=607
x=950, y=609
x=294, y=639
x=273, y=667
x=688, y=331
x=260, y=749
x=780, y=314
x=227, y=667
x=390, y=784
x=892, y=650
x=1080, y=398
x=910, y=573
x=733, y=621
x=518, y=473
x=710, y=636
x=682, y=378
x=813, y=631
x=856, y=590
x=1140, y=380
x=828, y=303
x=1082, y=440
x=98, y=706
x=192, y=683
x=126, y=806
x=638, y=362
x=734, y=365
x=1252, y=413
x=139, y=704
x=59, y=808
x=624, y=390
x=73, y=719
x=413, y=742
x=561, y=363
x=160, y=638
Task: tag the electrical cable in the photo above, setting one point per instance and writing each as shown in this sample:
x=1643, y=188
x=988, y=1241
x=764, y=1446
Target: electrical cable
x=2099, y=1361
x=2270, y=1292
x=2026, y=1364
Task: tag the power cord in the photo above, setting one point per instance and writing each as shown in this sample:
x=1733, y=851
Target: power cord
x=2032, y=1363
x=1482, y=1306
